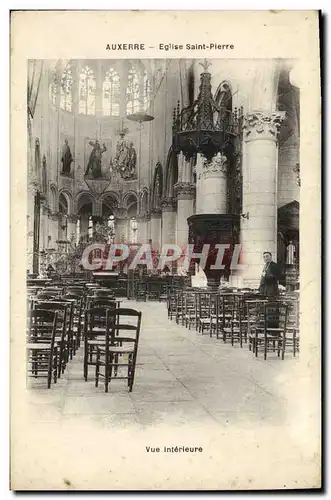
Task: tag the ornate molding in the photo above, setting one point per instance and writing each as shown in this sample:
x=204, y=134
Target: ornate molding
x=184, y=190
x=262, y=125
x=54, y=215
x=217, y=167
x=156, y=212
x=168, y=204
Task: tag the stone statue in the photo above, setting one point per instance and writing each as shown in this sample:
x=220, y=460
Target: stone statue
x=66, y=158
x=94, y=164
x=125, y=159
x=290, y=253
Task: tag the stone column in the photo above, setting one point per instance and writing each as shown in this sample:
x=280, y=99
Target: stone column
x=156, y=220
x=148, y=226
x=185, y=195
x=168, y=221
x=53, y=229
x=259, y=224
x=142, y=236
x=211, y=185
x=43, y=241
x=72, y=229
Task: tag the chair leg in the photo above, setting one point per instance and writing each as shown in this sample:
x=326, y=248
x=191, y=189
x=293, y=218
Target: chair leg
x=85, y=361
x=97, y=369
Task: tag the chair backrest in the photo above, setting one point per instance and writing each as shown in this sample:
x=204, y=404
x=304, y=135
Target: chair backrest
x=46, y=295
x=42, y=325
x=275, y=313
x=101, y=302
x=123, y=325
x=65, y=310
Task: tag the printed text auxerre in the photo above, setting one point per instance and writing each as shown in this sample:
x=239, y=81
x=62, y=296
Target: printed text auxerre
x=171, y=46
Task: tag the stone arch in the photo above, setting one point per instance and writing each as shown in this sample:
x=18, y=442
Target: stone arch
x=85, y=198
x=143, y=201
x=129, y=198
x=131, y=203
x=111, y=200
x=69, y=199
x=53, y=200
x=171, y=174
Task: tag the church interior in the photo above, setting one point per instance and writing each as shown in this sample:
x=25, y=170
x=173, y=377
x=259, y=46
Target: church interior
x=162, y=152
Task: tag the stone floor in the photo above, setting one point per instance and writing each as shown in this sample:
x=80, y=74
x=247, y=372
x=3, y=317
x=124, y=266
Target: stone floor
x=190, y=390
x=181, y=377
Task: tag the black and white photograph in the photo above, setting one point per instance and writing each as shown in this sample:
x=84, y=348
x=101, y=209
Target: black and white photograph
x=163, y=264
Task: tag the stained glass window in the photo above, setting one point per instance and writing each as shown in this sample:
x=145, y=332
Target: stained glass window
x=66, y=90
x=132, y=92
x=87, y=88
x=111, y=94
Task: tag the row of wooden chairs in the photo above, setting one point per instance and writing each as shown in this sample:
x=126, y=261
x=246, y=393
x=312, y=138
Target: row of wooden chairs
x=239, y=318
x=60, y=316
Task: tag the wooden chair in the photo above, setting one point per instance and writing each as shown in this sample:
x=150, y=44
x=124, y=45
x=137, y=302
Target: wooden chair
x=95, y=323
x=42, y=350
x=206, y=308
x=267, y=327
x=190, y=308
x=121, y=347
x=63, y=330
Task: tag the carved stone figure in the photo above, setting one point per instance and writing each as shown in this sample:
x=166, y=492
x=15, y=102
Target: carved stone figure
x=66, y=158
x=290, y=253
x=125, y=159
x=94, y=164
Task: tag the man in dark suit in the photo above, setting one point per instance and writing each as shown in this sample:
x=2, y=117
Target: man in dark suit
x=271, y=275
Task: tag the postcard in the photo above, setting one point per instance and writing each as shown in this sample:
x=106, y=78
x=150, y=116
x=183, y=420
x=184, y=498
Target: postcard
x=165, y=249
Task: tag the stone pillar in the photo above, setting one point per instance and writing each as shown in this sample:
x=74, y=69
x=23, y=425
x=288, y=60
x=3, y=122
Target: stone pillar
x=259, y=224
x=185, y=195
x=142, y=236
x=211, y=185
x=53, y=229
x=148, y=227
x=72, y=229
x=156, y=220
x=43, y=241
x=97, y=209
x=168, y=221
x=121, y=230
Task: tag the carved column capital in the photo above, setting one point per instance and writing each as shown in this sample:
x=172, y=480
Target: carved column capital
x=168, y=204
x=217, y=167
x=72, y=218
x=156, y=212
x=263, y=125
x=184, y=190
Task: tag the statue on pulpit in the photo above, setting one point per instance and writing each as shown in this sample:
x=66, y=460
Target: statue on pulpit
x=290, y=253
x=67, y=158
x=94, y=164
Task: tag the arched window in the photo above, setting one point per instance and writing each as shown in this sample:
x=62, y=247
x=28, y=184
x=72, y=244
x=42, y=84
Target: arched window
x=66, y=90
x=111, y=94
x=132, y=92
x=87, y=92
x=147, y=91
